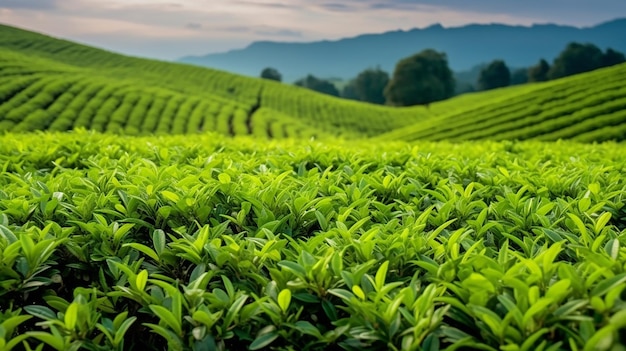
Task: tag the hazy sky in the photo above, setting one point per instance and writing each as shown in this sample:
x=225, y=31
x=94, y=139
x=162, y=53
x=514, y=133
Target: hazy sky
x=169, y=29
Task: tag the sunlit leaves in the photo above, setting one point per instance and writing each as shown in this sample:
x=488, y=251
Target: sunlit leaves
x=219, y=243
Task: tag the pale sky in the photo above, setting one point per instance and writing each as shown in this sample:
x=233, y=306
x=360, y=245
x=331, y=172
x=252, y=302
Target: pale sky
x=170, y=29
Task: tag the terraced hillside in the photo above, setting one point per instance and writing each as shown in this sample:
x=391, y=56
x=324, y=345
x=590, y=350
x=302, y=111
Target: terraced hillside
x=587, y=107
x=46, y=83
x=147, y=96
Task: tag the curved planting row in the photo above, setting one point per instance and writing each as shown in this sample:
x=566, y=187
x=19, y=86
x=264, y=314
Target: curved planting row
x=164, y=97
x=318, y=111
x=557, y=110
x=59, y=102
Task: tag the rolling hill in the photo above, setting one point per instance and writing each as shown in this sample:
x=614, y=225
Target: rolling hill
x=209, y=99
x=519, y=46
x=51, y=84
x=139, y=239
x=586, y=107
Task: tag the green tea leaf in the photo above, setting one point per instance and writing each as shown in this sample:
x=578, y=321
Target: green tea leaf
x=284, y=299
x=141, y=280
x=224, y=178
x=608, y=284
x=144, y=249
x=381, y=274
x=602, y=221
x=358, y=292
x=170, y=196
x=168, y=317
x=71, y=316
x=264, y=340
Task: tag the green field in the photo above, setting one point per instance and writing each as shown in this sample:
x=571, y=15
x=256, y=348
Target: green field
x=586, y=107
x=47, y=83
x=100, y=90
x=214, y=243
x=146, y=205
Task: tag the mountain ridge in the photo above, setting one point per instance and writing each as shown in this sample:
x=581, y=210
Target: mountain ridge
x=519, y=45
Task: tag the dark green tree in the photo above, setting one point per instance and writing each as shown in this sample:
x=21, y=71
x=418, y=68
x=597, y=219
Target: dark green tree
x=317, y=84
x=463, y=88
x=271, y=74
x=420, y=79
x=612, y=58
x=576, y=58
x=539, y=72
x=519, y=76
x=349, y=91
x=495, y=75
x=370, y=85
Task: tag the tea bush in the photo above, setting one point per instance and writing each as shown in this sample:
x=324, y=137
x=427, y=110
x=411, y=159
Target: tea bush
x=211, y=243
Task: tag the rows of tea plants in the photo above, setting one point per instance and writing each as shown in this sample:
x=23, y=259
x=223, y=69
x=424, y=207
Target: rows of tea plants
x=61, y=101
x=571, y=108
x=318, y=111
x=561, y=109
x=212, y=243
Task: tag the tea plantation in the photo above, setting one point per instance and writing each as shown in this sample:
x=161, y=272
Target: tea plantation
x=99, y=90
x=215, y=243
x=52, y=84
x=147, y=205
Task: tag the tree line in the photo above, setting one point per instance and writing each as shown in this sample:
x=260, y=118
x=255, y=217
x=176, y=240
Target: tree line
x=426, y=77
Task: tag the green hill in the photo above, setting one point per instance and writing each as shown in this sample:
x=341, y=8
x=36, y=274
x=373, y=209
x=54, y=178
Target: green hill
x=585, y=107
x=211, y=242
x=46, y=83
x=206, y=99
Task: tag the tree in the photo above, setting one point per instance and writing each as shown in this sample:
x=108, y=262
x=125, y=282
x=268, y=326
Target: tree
x=463, y=88
x=370, y=85
x=319, y=85
x=271, y=74
x=576, y=58
x=519, y=76
x=612, y=58
x=349, y=91
x=496, y=75
x=420, y=79
x=539, y=72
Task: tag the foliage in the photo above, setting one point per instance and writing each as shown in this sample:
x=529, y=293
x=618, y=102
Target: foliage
x=420, y=79
x=317, y=84
x=50, y=84
x=198, y=243
x=519, y=76
x=612, y=58
x=578, y=58
x=75, y=81
x=587, y=107
x=539, y=72
x=349, y=91
x=370, y=84
x=271, y=74
x=495, y=75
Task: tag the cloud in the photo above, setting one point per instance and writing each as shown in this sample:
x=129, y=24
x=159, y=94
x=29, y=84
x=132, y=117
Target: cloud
x=29, y=4
x=579, y=11
x=193, y=25
x=279, y=33
x=339, y=7
x=202, y=26
x=265, y=31
x=265, y=4
x=235, y=29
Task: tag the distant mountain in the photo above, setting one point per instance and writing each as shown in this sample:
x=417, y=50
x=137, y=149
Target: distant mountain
x=466, y=47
